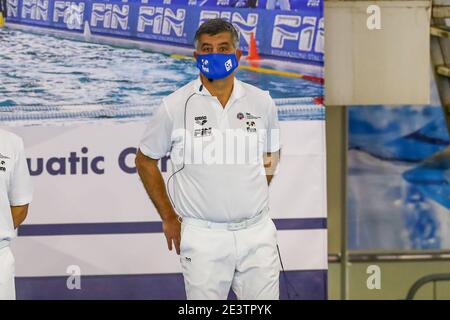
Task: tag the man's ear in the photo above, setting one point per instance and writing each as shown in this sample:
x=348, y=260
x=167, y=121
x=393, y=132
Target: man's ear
x=195, y=54
x=238, y=54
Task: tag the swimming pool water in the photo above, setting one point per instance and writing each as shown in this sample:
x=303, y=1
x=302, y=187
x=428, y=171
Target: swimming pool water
x=46, y=70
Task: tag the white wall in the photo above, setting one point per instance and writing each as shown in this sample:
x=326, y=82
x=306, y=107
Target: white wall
x=385, y=66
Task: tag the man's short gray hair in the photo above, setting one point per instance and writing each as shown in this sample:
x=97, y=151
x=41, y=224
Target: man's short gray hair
x=215, y=26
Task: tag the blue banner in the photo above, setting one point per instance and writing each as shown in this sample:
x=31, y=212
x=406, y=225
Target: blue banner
x=295, y=35
x=398, y=178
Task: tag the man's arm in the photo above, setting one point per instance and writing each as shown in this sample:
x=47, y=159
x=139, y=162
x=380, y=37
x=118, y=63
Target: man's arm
x=20, y=188
x=271, y=160
x=154, y=185
x=19, y=213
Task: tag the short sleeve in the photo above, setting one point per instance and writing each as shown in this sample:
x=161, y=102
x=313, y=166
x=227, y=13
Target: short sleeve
x=273, y=129
x=20, y=191
x=156, y=142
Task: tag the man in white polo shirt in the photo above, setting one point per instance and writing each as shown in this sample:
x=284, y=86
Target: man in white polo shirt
x=15, y=195
x=222, y=135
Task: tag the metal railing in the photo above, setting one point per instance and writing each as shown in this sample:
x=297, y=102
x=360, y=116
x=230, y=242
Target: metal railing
x=405, y=256
x=356, y=256
x=433, y=278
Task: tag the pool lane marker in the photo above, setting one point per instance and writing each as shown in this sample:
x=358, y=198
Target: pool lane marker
x=265, y=70
x=304, y=108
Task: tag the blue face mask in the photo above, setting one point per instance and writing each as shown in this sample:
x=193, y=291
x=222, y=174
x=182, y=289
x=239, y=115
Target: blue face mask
x=216, y=65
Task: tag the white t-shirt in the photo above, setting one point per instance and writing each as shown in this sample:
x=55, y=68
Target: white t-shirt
x=15, y=181
x=223, y=177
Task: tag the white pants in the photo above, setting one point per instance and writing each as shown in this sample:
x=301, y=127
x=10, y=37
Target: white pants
x=246, y=260
x=7, y=287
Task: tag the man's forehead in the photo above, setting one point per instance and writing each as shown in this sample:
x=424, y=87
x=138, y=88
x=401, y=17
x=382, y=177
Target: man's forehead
x=215, y=39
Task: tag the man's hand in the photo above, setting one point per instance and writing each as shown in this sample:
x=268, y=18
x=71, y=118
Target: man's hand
x=19, y=213
x=172, y=231
x=271, y=160
x=154, y=185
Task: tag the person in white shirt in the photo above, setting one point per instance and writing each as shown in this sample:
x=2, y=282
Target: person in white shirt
x=223, y=139
x=15, y=196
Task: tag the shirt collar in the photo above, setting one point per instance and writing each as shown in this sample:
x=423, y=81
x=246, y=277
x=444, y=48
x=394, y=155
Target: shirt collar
x=238, y=89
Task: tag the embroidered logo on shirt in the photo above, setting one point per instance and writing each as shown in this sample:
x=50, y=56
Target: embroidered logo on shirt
x=201, y=120
x=2, y=165
x=250, y=116
x=247, y=116
x=251, y=126
x=203, y=132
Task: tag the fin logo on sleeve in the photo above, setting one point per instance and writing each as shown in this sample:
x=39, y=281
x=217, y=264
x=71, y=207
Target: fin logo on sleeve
x=2, y=166
x=3, y=159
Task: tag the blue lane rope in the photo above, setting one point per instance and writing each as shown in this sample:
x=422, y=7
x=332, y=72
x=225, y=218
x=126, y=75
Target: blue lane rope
x=288, y=108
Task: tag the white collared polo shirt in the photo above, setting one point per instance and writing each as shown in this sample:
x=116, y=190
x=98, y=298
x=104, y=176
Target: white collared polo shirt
x=220, y=149
x=15, y=181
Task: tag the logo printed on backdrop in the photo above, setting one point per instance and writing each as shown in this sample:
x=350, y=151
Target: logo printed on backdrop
x=285, y=29
x=35, y=10
x=164, y=21
x=243, y=26
x=320, y=37
x=313, y=3
x=84, y=165
x=112, y=16
x=71, y=12
x=12, y=8
x=73, y=165
x=297, y=29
